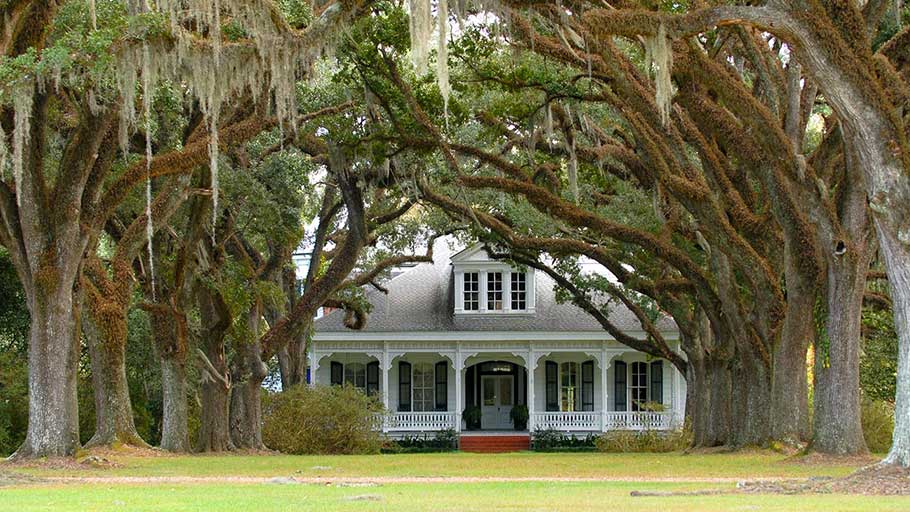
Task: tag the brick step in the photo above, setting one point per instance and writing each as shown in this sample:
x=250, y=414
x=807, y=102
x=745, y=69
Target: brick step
x=495, y=444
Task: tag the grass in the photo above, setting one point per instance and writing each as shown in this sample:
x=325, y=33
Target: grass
x=621, y=474
x=458, y=464
x=404, y=497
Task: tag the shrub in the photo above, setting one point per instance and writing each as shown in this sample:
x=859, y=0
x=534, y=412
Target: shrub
x=878, y=424
x=322, y=420
x=654, y=441
x=519, y=416
x=471, y=415
x=442, y=441
x=551, y=440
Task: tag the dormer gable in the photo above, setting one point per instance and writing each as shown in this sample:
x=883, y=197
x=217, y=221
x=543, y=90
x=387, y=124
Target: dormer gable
x=484, y=286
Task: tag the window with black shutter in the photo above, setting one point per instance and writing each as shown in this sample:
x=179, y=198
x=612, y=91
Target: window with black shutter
x=657, y=382
x=404, y=387
x=587, y=386
x=552, y=371
x=442, y=386
x=373, y=378
x=619, y=386
x=337, y=377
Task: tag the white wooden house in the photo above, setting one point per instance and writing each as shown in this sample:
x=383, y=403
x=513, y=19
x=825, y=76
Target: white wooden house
x=466, y=331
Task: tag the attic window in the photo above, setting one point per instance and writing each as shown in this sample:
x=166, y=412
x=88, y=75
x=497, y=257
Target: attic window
x=471, y=291
x=519, y=291
x=494, y=291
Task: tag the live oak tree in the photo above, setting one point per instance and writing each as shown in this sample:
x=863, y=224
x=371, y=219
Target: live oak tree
x=70, y=73
x=739, y=188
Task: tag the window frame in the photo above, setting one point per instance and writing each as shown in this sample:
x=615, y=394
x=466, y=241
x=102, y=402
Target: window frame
x=470, y=298
x=635, y=387
x=576, y=389
x=427, y=387
x=358, y=370
x=518, y=291
x=495, y=277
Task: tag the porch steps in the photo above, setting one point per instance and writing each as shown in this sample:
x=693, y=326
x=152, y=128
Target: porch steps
x=480, y=443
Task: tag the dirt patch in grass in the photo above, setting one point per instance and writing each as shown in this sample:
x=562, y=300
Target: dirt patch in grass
x=823, y=459
x=878, y=480
x=11, y=479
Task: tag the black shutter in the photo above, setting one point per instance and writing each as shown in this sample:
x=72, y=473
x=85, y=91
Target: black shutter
x=619, y=386
x=442, y=386
x=404, y=387
x=337, y=378
x=373, y=378
x=657, y=382
x=552, y=371
x=587, y=386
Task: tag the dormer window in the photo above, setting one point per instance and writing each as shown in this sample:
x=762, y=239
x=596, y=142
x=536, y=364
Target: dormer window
x=484, y=286
x=494, y=291
x=519, y=291
x=472, y=291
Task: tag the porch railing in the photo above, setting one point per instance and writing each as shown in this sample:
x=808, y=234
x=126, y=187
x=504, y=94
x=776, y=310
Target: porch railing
x=420, y=421
x=640, y=420
x=588, y=421
x=578, y=420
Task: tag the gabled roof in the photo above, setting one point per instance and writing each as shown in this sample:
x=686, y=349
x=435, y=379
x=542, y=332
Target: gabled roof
x=421, y=299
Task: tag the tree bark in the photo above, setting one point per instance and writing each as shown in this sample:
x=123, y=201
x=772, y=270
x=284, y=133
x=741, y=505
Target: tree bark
x=53, y=357
x=751, y=403
x=789, y=385
x=214, y=430
x=292, y=362
x=898, y=254
x=248, y=373
x=170, y=337
x=105, y=334
x=838, y=421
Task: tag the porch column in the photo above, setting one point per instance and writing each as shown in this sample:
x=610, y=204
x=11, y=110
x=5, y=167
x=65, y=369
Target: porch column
x=532, y=366
x=458, y=365
x=605, y=389
x=386, y=365
x=314, y=367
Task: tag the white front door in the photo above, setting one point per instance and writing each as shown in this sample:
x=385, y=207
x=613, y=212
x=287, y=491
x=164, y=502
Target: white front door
x=496, y=402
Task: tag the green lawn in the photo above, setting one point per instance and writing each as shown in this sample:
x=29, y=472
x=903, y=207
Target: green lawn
x=525, y=464
x=621, y=474
x=403, y=497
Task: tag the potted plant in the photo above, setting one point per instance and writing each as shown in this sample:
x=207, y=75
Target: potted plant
x=519, y=416
x=471, y=417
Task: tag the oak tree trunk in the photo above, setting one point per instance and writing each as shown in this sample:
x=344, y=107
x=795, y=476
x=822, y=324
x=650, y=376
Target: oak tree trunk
x=53, y=357
x=105, y=334
x=898, y=256
x=247, y=375
x=751, y=403
x=789, y=385
x=214, y=429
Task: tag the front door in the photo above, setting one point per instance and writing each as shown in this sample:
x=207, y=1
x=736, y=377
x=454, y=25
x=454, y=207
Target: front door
x=497, y=400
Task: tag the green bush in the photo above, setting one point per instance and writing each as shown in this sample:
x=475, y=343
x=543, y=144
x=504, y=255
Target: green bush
x=653, y=441
x=442, y=441
x=878, y=424
x=551, y=440
x=322, y=420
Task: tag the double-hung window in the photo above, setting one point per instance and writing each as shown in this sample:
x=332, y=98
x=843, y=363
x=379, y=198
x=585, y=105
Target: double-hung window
x=638, y=387
x=519, y=291
x=494, y=291
x=471, y=291
x=424, y=383
x=569, y=387
x=355, y=374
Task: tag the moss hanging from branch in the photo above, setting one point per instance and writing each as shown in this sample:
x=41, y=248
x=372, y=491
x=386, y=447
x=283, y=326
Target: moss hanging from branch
x=147, y=111
x=659, y=58
x=442, y=57
x=421, y=25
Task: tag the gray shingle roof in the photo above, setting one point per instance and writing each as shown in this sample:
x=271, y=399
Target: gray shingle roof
x=422, y=299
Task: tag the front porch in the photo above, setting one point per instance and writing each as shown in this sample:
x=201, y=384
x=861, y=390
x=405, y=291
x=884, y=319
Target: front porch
x=572, y=387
